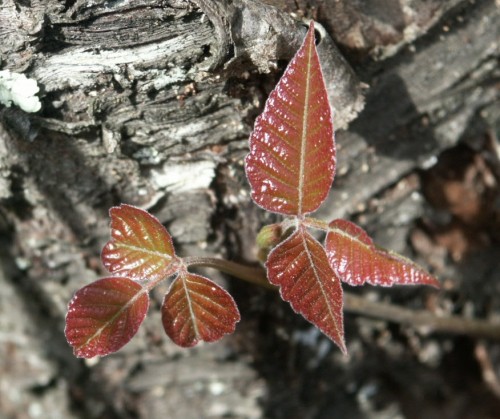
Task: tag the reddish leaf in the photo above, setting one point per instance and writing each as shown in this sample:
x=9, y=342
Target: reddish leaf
x=299, y=266
x=195, y=309
x=356, y=260
x=140, y=247
x=291, y=163
x=103, y=316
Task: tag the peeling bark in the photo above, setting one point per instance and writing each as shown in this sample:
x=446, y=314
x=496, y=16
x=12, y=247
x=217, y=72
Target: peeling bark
x=151, y=103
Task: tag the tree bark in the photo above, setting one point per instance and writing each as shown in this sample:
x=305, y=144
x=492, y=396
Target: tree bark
x=151, y=103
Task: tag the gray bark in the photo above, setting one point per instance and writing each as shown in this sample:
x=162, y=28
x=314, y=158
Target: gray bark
x=151, y=103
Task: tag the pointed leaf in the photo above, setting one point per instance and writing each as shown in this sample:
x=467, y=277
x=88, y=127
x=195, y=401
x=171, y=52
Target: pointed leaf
x=356, y=260
x=195, y=308
x=299, y=266
x=103, y=316
x=291, y=163
x=140, y=247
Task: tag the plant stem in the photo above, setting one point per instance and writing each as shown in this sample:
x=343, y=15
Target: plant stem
x=315, y=223
x=255, y=275
x=424, y=321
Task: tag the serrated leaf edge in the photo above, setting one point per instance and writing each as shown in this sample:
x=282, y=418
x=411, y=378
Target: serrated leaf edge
x=383, y=252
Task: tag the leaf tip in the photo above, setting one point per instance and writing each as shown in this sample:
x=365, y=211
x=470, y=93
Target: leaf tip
x=299, y=266
x=291, y=163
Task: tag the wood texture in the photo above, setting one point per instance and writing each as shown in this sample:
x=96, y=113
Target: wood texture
x=151, y=104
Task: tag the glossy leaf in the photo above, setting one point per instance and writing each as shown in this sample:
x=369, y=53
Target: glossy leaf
x=356, y=260
x=103, y=316
x=299, y=266
x=197, y=309
x=291, y=163
x=140, y=247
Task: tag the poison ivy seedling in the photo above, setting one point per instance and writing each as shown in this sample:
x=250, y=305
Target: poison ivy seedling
x=290, y=167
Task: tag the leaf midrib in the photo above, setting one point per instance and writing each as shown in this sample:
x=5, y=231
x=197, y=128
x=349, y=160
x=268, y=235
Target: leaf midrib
x=147, y=251
x=185, y=279
x=304, y=130
x=109, y=322
x=318, y=280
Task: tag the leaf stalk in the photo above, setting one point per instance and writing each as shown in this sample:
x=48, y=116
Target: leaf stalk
x=423, y=321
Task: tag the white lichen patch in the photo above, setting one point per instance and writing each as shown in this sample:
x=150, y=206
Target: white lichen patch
x=19, y=90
